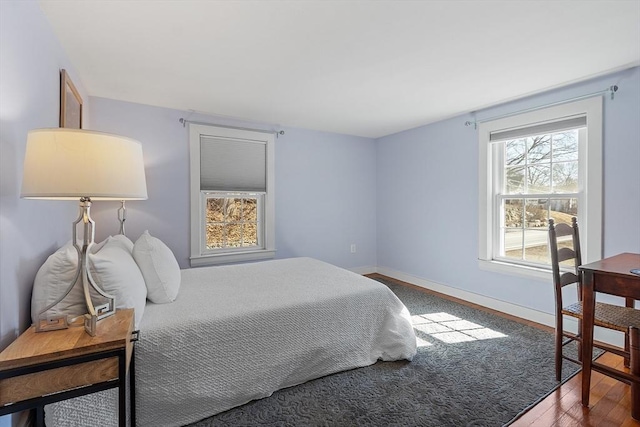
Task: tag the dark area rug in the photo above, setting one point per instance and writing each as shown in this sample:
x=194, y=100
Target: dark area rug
x=473, y=368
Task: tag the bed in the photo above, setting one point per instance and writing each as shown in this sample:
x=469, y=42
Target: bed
x=239, y=333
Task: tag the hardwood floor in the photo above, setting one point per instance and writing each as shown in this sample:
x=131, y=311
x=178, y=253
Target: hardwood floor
x=609, y=405
x=610, y=401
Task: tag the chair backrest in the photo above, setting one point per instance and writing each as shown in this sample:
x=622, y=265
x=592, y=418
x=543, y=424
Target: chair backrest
x=559, y=255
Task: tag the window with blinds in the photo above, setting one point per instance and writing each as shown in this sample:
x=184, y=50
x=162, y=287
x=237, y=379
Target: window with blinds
x=536, y=166
x=231, y=195
x=538, y=179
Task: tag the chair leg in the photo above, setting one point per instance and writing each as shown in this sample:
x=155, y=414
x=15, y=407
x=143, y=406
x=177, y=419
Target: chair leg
x=558, y=355
x=634, y=338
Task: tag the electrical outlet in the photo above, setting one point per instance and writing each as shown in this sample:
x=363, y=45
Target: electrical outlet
x=353, y=248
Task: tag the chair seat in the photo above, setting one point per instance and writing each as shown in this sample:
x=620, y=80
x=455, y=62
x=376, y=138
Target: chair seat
x=608, y=315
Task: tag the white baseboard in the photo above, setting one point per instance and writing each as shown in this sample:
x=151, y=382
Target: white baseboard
x=368, y=269
x=571, y=324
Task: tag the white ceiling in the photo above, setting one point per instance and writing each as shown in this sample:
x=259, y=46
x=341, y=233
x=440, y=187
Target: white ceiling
x=368, y=68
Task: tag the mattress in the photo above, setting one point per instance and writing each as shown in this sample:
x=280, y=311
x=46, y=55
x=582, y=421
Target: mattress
x=239, y=333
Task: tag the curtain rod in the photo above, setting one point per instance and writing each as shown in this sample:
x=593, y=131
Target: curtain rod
x=611, y=89
x=185, y=121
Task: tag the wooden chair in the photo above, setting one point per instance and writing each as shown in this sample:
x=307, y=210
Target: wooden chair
x=608, y=316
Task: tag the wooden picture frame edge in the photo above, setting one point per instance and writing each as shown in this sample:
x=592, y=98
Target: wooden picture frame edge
x=65, y=82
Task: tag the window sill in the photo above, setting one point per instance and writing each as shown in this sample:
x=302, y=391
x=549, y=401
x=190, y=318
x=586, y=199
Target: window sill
x=516, y=270
x=226, y=258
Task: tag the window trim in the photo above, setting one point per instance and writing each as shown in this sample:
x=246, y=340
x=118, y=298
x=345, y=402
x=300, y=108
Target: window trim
x=590, y=191
x=199, y=255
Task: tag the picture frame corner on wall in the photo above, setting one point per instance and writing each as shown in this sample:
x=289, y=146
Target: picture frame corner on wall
x=70, y=103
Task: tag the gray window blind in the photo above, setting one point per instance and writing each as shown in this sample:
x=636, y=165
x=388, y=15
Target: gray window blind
x=539, y=129
x=232, y=165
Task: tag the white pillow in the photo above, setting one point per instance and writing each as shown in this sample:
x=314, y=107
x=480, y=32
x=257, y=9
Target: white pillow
x=159, y=268
x=52, y=280
x=114, y=270
x=124, y=241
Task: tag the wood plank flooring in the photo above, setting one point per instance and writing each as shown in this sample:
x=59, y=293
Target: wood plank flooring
x=610, y=401
x=609, y=404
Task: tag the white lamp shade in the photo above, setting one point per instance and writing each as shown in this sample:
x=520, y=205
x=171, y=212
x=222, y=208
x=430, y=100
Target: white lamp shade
x=73, y=163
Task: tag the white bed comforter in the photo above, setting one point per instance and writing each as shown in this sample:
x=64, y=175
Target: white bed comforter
x=239, y=333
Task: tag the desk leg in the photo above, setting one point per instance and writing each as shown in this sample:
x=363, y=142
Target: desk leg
x=122, y=389
x=132, y=385
x=588, y=311
x=40, y=416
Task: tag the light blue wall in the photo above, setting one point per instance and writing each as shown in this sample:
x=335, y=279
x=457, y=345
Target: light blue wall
x=325, y=185
x=30, y=59
x=427, y=181
x=326, y=197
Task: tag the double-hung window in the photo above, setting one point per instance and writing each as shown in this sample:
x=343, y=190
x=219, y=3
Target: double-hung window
x=232, y=206
x=534, y=166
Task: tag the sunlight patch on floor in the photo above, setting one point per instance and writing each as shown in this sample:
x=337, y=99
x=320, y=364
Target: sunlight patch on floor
x=450, y=329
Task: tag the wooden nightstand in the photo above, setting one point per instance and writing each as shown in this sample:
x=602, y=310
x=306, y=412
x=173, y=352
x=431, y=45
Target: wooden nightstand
x=41, y=368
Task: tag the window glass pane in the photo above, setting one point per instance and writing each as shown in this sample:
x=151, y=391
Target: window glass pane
x=515, y=152
x=539, y=179
x=234, y=209
x=512, y=243
x=536, y=246
x=565, y=177
x=234, y=235
x=215, y=236
x=514, y=183
x=565, y=145
x=539, y=149
x=512, y=231
x=562, y=210
x=250, y=235
x=215, y=210
x=513, y=211
x=250, y=210
x=536, y=213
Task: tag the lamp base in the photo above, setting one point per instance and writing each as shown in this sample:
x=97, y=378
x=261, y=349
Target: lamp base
x=95, y=313
x=52, y=324
x=91, y=324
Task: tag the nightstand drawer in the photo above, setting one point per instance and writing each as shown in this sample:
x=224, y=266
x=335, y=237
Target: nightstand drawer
x=57, y=380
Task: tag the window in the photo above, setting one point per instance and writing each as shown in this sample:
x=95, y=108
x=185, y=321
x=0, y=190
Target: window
x=232, y=206
x=534, y=166
x=231, y=220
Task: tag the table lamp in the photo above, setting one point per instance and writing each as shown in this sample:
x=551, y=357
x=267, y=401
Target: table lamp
x=76, y=164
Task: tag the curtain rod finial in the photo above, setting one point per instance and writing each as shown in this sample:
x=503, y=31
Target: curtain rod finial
x=613, y=89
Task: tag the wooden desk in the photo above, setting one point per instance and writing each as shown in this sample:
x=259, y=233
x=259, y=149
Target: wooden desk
x=611, y=276
x=46, y=367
